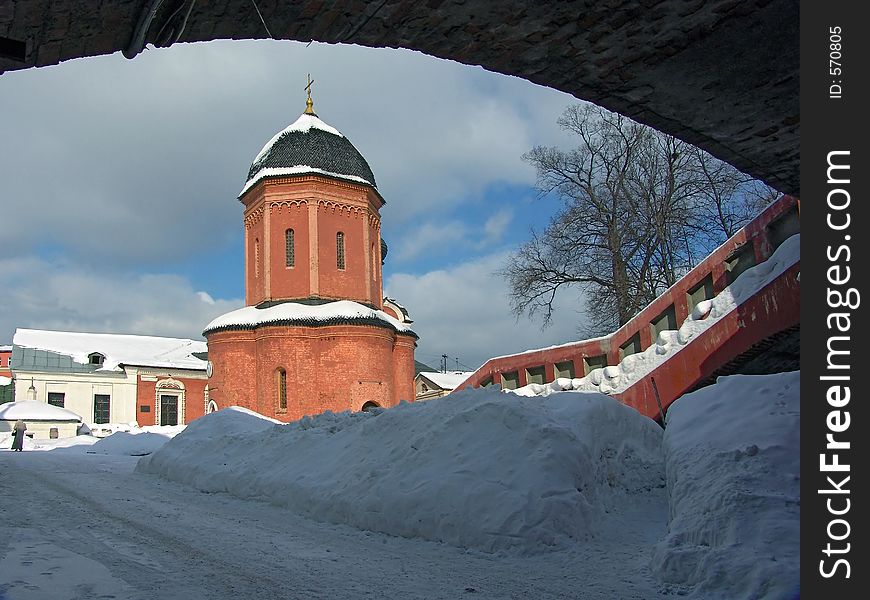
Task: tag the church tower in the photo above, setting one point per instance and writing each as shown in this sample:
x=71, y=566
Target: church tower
x=314, y=335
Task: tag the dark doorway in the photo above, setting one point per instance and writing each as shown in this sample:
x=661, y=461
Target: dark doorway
x=168, y=409
x=101, y=408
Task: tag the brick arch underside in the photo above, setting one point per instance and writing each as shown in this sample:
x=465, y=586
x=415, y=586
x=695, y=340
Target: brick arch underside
x=720, y=74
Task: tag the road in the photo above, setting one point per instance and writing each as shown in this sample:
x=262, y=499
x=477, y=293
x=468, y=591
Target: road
x=75, y=525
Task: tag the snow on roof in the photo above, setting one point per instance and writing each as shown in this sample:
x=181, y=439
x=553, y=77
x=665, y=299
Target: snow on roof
x=301, y=125
x=617, y=378
x=5, y=380
x=33, y=410
x=296, y=170
x=449, y=380
x=294, y=312
x=139, y=350
x=5, y=348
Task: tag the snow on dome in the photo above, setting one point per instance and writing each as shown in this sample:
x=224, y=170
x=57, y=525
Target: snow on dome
x=33, y=410
x=288, y=313
x=309, y=146
x=117, y=349
x=301, y=125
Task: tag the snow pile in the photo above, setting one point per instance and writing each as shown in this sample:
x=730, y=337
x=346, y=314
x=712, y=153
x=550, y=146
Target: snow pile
x=634, y=367
x=732, y=454
x=117, y=349
x=477, y=469
x=294, y=312
x=135, y=442
x=34, y=410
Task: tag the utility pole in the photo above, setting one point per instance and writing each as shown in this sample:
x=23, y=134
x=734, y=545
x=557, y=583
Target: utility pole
x=443, y=363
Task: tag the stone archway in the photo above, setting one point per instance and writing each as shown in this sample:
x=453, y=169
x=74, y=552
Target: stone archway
x=720, y=74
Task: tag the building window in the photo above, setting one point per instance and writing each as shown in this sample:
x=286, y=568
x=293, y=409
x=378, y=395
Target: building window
x=783, y=228
x=535, y=374
x=632, y=346
x=101, y=408
x=56, y=399
x=339, y=251
x=256, y=257
x=564, y=369
x=510, y=381
x=699, y=293
x=95, y=358
x=741, y=259
x=486, y=382
x=290, y=248
x=282, y=389
x=667, y=321
x=590, y=363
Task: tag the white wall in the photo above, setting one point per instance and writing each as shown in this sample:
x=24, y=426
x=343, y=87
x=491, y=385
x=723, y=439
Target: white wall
x=79, y=390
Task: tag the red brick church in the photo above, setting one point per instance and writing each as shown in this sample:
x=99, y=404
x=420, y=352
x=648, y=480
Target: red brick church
x=314, y=335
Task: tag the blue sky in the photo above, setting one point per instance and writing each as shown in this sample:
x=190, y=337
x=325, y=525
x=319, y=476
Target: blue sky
x=118, y=184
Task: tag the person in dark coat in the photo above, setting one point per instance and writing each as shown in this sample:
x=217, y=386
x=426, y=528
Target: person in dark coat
x=18, y=432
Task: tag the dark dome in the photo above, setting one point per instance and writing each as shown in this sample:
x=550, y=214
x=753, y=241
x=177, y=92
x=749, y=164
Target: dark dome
x=310, y=146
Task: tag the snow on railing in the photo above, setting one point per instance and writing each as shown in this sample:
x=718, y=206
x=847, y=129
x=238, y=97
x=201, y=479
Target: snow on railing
x=634, y=367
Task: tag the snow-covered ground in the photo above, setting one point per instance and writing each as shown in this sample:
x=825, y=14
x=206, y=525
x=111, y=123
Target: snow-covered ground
x=480, y=494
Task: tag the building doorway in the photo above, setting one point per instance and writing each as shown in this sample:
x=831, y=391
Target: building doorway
x=168, y=409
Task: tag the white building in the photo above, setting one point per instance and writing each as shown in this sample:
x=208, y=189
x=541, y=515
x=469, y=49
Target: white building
x=430, y=385
x=109, y=378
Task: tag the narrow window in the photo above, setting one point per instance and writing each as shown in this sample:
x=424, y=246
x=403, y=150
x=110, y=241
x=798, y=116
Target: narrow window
x=339, y=250
x=282, y=389
x=290, y=248
x=256, y=257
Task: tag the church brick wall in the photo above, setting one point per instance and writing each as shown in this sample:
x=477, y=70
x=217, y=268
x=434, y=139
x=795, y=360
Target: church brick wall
x=289, y=282
x=336, y=367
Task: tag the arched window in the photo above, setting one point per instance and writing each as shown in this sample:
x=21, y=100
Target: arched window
x=282, y=389
x=339, y=250
x=290, y=248
x=257, y=257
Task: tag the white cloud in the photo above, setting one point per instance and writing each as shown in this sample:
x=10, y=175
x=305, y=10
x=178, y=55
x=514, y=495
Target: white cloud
x=464, y=312
x=42, y=295
x=430, y=237
x=495, y=226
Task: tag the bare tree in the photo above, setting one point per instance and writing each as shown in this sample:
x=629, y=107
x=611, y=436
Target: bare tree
x=639, y=209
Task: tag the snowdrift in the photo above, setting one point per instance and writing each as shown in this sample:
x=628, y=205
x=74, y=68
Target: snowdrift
x=477, y=469
x=123, y=443
x=732, y=455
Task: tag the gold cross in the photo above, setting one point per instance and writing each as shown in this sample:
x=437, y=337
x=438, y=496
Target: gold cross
x=309, y=104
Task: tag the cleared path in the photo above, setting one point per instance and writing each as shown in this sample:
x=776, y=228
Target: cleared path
x=77, y=525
